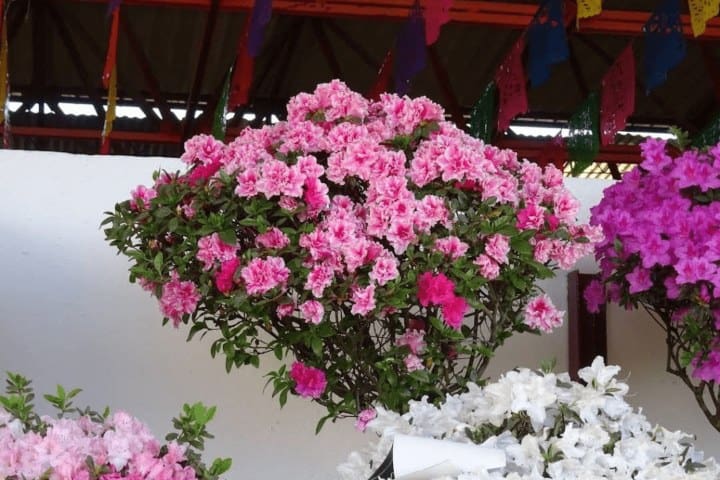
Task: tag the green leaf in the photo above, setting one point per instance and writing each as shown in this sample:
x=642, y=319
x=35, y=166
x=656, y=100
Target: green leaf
x=158, y=262
x=228, y=236
x=220, y=466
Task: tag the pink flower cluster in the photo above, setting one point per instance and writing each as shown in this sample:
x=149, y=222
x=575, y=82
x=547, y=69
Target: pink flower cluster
x=178, y=298
x=123, y=444
x=540, y=313
x=414, y=341
x=662, y=227
x=439, y=290
x=339, y=208
x=310, y=382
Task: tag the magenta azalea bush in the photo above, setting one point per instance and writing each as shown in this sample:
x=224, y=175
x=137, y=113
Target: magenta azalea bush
x=86, y=445
x=388, y=252
x=662, y=251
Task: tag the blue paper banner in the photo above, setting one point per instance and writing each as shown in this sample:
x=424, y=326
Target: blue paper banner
x=410, y=55
x=261, y=13
x=665, y=45
x=547, y=41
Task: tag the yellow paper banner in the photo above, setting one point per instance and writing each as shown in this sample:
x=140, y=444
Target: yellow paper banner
x=588, y=8
x=701, y=11
x=110, y=114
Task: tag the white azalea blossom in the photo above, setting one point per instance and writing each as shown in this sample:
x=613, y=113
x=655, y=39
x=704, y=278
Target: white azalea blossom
x=548, y=427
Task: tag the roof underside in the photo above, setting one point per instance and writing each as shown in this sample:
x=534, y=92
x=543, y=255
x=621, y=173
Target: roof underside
x=57, y=51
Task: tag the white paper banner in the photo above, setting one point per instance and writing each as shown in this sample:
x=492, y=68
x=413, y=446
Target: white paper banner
x=419, y=458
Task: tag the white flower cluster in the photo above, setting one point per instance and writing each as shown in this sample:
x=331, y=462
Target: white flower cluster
x=549, y=427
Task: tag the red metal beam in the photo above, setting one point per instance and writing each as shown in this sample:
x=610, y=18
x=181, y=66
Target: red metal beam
x=92, y=134
x=501, y=14
x=526, y=148
x=532, y=149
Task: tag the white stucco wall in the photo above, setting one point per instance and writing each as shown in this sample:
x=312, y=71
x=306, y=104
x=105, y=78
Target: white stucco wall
x=68, y=315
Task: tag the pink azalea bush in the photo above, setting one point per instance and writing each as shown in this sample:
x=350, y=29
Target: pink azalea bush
x=382, y=248
x=662, y=251
x=86, y=445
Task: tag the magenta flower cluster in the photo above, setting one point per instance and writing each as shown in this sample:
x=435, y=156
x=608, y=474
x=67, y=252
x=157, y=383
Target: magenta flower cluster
x=122, y=446
x=355, y=232
x=662, y=248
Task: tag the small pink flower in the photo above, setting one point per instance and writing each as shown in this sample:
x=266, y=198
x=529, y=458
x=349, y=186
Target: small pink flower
x=434, y=289
x=363, y=300
x=413, y=339
x=540, y=313
x=319, y=278
x=312, y=311
x=310, y=382
x=316, y=195
x=453, y=312
x=211, y=248
x=497, y=247
x=142, y=195
x=225, y=277
x=285, y=310
x=365, y=417
x=178, y=298
x=488, y=267
x=273, y=238
x=707, y=369
x=413, y=362
x=384, y=270
x=262, y=275
x=188, y=209
x=451, y=246
x=531, y=217
x=594, y=296
x=639, y=280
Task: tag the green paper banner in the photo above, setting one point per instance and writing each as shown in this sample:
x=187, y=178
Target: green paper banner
x=584, y=141
x=483, y=117
x=219, y=120
x=708, y=136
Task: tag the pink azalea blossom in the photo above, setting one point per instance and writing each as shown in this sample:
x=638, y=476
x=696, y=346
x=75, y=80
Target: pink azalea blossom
x=319, y=278
x=142, y=195
x=178, y=298
x=594, y=296
x=312, y=311
x=211, y=249
x=272, y=238
x=365, y=417
x=487, y=266
x=413, y=339
x=707, y=369
x=285, y=310
x=531, y=217
x=451, y=246
x=384, y=270
x=639, y=280
x=413, y=363
x=453, y=311
x=225, y=277
x=363, y=300
x=310, y=382
x=262, y=275
x=434, y=289
x=497, y=247
x=540, y=313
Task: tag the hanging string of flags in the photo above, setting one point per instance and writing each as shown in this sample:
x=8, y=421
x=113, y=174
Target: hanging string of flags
x=595, y=123
x=603, y=114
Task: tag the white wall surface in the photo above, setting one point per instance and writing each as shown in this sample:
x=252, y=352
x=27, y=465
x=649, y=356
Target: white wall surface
x=68, y=315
